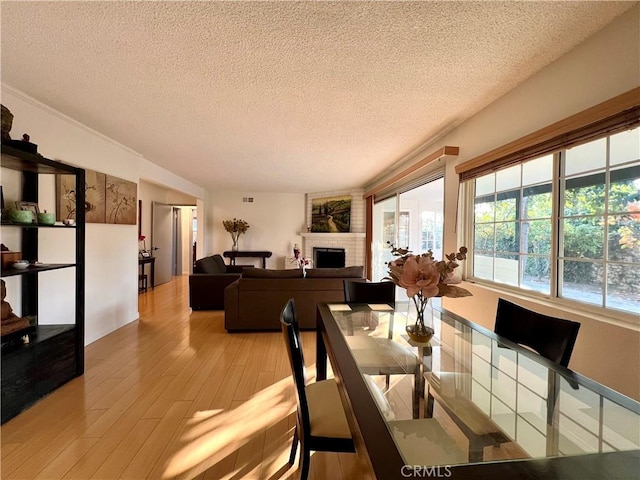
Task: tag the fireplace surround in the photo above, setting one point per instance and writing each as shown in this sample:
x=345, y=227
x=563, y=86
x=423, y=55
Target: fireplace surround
x=352, y=243
x=324, y=257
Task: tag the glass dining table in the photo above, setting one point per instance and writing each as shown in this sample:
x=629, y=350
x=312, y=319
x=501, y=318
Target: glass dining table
x=469, y=404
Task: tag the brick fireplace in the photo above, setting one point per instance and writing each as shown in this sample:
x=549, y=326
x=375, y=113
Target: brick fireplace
x=352, y=242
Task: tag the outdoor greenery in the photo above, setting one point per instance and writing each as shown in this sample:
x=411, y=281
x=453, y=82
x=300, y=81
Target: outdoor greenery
x=518, y=224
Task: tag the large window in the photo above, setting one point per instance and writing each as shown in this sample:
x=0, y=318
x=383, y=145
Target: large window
x=566, y=224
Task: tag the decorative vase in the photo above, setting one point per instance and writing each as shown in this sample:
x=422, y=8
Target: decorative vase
x=21, y=216
x=234, y=247
x=45, y=218
x=420, y=319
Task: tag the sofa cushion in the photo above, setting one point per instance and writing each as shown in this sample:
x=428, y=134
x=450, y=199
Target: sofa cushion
x=251, y=272
x=206, y=290
x=212, y=264
x=346, y=272
x=256, y=303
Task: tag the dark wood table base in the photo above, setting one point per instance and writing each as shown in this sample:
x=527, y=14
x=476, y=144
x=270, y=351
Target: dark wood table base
x=233, y=254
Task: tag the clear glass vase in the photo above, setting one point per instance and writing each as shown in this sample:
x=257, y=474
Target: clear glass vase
x=420, y=319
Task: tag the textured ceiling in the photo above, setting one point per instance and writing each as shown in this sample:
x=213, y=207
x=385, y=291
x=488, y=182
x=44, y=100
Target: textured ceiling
x=282, y=96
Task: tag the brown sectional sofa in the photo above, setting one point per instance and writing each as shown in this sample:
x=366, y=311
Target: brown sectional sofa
x=207, y=283
x=255, y=301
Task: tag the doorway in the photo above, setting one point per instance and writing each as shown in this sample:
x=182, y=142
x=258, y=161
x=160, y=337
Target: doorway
x=172, y=240
x=185, y=232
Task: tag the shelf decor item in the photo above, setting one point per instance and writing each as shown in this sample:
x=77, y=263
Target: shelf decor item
x=235, y=227
x=10, y=322
x=424, y=277
x=298, y=259
x=8, y=257
x=31, y=207
x=21, y=216
x=45, y=218
x=7, y=123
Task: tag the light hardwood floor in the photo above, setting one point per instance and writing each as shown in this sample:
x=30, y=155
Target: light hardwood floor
x=171, y=395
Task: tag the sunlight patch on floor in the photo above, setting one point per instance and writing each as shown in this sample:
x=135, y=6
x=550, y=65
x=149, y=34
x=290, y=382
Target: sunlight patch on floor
x=211, y=436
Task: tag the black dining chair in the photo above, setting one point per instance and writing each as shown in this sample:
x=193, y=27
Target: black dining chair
x=321, y=423
x=369, y=292
x=553, y=338
x=550, y=337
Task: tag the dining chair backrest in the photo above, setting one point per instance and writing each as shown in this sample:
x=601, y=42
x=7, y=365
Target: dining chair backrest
x=553, y=338
x=369, y=292
x=291, y=332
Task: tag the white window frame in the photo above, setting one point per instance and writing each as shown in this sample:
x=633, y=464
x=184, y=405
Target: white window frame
x=468, y=200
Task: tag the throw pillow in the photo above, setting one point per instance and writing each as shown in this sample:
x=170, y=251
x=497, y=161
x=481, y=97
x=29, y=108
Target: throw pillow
x=205, y=265
x=212, y=264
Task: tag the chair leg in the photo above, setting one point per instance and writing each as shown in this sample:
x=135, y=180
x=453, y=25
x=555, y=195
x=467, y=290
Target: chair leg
x=305, y=457
x=476, y=452
x=418, y=391
x=429, y=406
x=294, y=446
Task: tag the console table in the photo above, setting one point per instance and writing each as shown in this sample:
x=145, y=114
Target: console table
x=233, y=254
x=142, y=261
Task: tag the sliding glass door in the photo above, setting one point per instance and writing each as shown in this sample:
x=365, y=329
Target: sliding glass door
x=411, y=219
x=384, y=234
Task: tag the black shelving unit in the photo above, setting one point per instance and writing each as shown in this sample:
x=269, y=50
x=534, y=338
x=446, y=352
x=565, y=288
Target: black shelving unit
x=41, y=358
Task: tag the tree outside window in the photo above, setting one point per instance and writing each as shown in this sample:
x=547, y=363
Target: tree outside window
x=598, y=225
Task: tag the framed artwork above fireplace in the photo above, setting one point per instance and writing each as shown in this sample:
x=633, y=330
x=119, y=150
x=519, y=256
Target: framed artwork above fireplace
x=331, y=214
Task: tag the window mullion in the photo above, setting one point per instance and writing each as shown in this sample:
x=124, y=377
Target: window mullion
x=469, y=194
x=605, y=219
x=557, y=194
x=522, y=249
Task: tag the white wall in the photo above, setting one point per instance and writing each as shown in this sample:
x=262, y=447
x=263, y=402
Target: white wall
x=275, y=222
x=187, y=239
x=111, y=288
x=602, y=67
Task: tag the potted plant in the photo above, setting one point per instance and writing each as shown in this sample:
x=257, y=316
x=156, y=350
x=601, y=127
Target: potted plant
x=424, y=277
x=235, y=227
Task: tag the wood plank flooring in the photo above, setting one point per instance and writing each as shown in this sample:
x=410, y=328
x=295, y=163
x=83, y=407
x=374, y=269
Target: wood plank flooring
x=170, y=396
